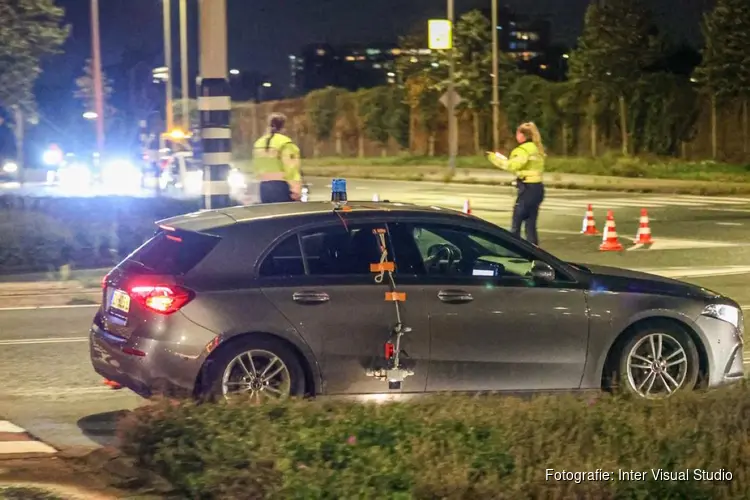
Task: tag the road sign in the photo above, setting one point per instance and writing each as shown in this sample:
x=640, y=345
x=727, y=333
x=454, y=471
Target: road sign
x=440, y=34
x=449, y=96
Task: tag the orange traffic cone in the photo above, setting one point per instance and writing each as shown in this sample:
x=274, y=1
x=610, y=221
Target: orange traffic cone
x=467, y=207
x=610, y=243
x=589, y=224
x=643, y=236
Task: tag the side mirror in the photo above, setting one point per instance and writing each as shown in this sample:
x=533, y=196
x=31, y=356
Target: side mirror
x=542, y=271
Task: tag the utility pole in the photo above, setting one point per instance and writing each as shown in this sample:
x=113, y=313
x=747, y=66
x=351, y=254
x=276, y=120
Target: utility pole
x=495, y=81
x=96, y=62
x=452, y=120
x=214, y=103
x=168, y=61
x=184, y=65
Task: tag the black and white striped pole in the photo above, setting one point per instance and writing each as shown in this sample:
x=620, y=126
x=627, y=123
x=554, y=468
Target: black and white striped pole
x=214, y=103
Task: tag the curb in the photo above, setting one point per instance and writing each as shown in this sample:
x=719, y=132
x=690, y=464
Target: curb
x=16, y=442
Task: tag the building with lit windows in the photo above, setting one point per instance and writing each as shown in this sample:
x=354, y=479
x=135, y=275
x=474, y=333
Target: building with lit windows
x=351, y=67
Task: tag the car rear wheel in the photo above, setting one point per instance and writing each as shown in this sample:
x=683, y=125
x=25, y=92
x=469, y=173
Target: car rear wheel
x=657, y=362
x=259, y=369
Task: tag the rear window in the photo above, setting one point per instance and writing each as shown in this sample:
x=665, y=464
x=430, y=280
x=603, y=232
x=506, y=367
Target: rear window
x=175, y=252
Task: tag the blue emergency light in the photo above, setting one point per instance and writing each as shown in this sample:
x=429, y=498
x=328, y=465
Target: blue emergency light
x=338, y=191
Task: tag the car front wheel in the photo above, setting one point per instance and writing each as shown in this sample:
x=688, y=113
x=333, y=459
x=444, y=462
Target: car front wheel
x=257, y=368
x=658, y=361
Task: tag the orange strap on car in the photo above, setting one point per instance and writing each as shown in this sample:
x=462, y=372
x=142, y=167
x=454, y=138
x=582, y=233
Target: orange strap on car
x=395, y=297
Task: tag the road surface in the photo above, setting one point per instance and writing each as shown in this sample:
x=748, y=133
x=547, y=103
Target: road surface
x=50, y=389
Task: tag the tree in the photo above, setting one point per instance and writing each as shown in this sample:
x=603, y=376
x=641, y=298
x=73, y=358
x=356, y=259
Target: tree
x=724, y=71
x=617, y=44
x=373, y=109
x=85, y=90
x=473, y=67
x=423, y=97
x=397, y=118
x=321, y=107
x=31, y=30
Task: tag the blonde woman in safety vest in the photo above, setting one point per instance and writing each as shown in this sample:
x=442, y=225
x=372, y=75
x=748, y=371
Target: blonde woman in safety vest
x=276, y=163
x=527, y=163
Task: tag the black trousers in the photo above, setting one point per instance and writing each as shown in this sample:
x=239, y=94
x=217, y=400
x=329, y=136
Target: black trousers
x=275, y=192
x=526, y=210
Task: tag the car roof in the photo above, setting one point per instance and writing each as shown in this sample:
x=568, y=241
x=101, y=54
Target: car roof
x=213, y=219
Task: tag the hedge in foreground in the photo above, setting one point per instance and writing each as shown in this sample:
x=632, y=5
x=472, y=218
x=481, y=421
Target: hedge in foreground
x=449, y=447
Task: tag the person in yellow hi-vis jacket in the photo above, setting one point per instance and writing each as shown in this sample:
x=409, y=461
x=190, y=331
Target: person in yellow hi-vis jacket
x=527, y=162
x=276, y=163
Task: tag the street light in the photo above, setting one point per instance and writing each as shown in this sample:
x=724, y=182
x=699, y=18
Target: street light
x=90, y=115
x=234, y=72
x=267, y=84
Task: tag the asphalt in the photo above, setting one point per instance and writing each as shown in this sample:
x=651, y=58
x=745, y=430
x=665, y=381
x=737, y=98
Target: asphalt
x=51, y=390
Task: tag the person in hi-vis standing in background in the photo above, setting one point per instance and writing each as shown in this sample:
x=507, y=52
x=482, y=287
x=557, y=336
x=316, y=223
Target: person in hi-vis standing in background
x=527, y=163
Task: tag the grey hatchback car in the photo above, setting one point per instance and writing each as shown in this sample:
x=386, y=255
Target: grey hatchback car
x=281, y=299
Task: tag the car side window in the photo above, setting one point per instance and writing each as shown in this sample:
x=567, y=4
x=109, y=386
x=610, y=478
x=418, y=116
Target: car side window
x=341, y=250
x=284, y=260
x=460, y=252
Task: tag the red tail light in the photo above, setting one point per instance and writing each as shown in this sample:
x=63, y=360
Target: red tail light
x=163, y=299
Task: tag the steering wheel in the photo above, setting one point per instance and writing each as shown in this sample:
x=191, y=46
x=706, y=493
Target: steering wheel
x=442, y=251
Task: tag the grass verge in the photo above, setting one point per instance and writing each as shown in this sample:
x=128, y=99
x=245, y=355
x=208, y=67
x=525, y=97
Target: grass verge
x=607, y=165
x=450, y=447
x=606, y=173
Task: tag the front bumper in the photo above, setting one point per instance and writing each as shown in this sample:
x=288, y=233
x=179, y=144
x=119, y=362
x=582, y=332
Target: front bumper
x=145, y=366
x=724, y=345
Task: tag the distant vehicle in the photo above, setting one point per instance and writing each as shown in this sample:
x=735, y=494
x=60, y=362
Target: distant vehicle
x=279, y=299
x=9, y=171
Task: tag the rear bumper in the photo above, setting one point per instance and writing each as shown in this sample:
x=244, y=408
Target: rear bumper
x=145, y=366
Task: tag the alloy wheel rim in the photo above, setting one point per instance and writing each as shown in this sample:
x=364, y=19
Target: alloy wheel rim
x=657, y=366
x=258, y=374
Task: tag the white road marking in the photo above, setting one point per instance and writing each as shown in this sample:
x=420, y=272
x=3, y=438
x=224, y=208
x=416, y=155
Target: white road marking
x=49, y=340
x=698, y=272
x=712, y=209
x=34, y=308
x=6, y=426
x=21, y=447
x=729, y=223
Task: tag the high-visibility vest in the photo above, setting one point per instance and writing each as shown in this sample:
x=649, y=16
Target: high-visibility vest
x=527, y=163
x=276, y=153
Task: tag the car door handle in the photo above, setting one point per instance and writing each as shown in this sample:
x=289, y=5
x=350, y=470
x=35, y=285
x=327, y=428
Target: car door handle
x=455, y=296
x=311, y=297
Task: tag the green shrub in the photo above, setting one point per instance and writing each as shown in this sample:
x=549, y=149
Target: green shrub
x=446, y=447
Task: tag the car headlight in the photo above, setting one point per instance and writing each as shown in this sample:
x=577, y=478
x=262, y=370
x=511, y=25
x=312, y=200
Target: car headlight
x=724, y=312
x=10, y=168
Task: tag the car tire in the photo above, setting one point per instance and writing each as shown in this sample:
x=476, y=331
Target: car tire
x=638, y=352
x=211, y=389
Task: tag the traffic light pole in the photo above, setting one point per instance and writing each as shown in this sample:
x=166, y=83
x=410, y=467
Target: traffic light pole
x=214, y=103
x=96, y=62
x=452, y=119
x=495, y=82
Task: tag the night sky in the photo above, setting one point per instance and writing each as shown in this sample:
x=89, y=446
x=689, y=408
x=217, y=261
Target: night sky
x=262, y=33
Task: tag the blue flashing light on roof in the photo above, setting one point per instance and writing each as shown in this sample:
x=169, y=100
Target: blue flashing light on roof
x=338, y=191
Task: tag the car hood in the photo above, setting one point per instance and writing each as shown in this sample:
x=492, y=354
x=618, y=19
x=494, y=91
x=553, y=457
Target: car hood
x=615, y=279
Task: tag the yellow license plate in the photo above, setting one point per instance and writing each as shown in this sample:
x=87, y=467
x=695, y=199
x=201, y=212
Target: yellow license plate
x=121, y=301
